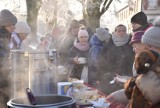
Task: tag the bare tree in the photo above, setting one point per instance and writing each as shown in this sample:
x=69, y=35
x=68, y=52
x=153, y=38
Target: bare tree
x=93, y=10
x=33, y=7
x=13, y=5
x=54, y=12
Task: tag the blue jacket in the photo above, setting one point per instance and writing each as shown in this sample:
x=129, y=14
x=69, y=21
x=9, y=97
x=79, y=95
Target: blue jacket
x=96, y=47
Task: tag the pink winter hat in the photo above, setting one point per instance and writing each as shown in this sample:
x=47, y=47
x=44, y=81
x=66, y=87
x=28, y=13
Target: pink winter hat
x=83, y=33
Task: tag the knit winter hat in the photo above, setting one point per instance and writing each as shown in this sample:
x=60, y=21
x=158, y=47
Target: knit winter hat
x=74, y=24
x=152, y=37
x=137, y=36
x=83, y=33
x=102, y=34
x=7, y=18
x=139, y=18
x=22, y=27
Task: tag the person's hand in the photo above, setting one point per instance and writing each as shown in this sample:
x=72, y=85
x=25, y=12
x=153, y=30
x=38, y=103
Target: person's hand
x=97, y=83
x=120, y=78
x=116, y=78
x=75, y=60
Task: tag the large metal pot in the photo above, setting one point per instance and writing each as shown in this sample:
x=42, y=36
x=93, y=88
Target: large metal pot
x=34, y=69
x=45, y=101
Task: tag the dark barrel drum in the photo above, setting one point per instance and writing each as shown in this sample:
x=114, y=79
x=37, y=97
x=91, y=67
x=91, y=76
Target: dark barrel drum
x=44, y=101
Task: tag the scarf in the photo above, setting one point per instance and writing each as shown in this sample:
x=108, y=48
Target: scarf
x=82, y=46
x=120, y=41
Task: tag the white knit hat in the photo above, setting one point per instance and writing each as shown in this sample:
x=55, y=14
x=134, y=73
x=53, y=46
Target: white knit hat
x=152, y=35
x=83, y=33
x=102, y=34
x=22, y=27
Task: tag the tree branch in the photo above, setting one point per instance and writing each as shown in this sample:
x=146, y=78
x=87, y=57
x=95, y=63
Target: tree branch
x=106, y=5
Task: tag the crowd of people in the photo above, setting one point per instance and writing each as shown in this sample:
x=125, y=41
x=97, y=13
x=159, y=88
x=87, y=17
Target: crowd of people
x=106, y=57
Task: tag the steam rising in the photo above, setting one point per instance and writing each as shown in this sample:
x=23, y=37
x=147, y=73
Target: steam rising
x=33, y=70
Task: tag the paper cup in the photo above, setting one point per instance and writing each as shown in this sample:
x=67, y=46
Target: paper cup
x=82, y=60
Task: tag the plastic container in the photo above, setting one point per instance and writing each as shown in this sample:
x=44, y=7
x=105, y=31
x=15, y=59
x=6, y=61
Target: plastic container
x=65, y=88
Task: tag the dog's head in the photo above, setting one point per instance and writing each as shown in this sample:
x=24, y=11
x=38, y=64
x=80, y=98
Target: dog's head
x=144, y=61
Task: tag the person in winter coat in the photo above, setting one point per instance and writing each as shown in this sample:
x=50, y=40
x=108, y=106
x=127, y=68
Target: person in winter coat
x=147, y=64
x=89, y=30
x=97, y=42
x=51, y=40
x=7, y=26
x=118, y=98
x=22, y=31
x=67, y=41
x=139, y=22
x=78, y=50
x=139, y=25
x=148, y=82
x=116, y=58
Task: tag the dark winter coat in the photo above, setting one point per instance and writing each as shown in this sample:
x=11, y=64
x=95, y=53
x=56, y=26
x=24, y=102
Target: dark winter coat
x=96, y=47
x=75, y=69
x=4, y=65
x=114, y=60
x=4, y=43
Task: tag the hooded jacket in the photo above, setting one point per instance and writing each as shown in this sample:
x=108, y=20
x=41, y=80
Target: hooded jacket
x=96, y=48
x=143, y=91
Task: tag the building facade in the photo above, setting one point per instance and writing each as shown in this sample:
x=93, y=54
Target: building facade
x=150, y=7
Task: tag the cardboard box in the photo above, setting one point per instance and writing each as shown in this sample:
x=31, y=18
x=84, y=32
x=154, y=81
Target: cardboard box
x=65, y=88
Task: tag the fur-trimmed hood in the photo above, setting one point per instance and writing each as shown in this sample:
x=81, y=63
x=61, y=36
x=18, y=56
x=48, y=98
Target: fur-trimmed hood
x=149, y=83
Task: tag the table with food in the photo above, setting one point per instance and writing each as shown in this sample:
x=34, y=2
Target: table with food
x=85, y=95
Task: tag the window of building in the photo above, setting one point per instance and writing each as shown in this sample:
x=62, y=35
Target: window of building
x=150, y=4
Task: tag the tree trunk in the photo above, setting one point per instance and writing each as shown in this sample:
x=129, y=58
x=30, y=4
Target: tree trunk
x=51, y=20
x=33, y=7
x=93, y=22
x=91, y=13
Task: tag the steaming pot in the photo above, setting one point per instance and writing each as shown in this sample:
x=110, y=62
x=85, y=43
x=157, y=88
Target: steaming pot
x=34, y=69
x=44, y=101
